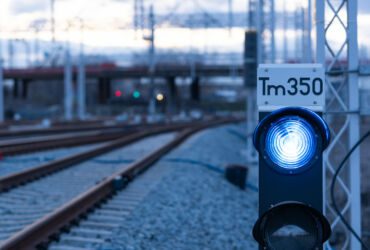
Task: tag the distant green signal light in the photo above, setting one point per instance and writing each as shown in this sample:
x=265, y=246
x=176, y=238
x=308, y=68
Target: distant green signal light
x=136, y=94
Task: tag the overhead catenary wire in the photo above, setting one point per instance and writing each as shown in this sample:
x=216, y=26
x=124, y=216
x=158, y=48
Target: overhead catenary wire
x=332, y=187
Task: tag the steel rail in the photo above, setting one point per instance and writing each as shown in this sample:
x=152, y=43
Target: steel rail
x=26, y=145
x=13, y=180
x=15, y=147
x=62, y=129
x=40, y=231
x=55, y=123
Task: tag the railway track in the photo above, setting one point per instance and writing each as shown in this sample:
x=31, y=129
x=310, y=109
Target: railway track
x=62, y=128
x=26, y=145
x=17, y=216
x=18, y=178
x=95, y=227
x=24, y=123
x=39, y=231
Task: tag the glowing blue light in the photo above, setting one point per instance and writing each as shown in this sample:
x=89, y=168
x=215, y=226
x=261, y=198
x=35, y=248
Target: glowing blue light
x=291, y=142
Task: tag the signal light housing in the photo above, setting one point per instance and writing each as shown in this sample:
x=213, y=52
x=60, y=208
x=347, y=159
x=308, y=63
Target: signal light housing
x=290, y=142
x=279, y=227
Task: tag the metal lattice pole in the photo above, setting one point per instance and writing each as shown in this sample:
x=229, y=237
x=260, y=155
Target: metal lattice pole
x=252, y=9
x=266, y=31
x=152, y=106
x=285, y=39
x=308, y=35
x=354, y=126
x=272, y=31
x=342, y=110
x=260, y=30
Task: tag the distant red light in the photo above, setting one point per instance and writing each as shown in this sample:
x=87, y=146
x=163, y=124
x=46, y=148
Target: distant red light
x=118, y=93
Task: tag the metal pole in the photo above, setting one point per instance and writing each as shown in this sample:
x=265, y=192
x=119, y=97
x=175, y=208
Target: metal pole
x=320, y=31
x=68, y=94
x=251, y=124
x=230, y=17
x=152, y=107
x=309, y=29
x=252, y=8
x=285, y=40
x=354, y=125
x=303, y=27
x=1, y=87
x=36, y=47
x=259, y=24
x=272, y=30
x=52, y=20
x=192, y=54
x=135, y=15
x=1, y=84
x=11, y=53
x=142, y=14
x=81, y=84
x=320, y=58
x=81, y=87
x=353, y=182
x=297, y=34
x=28, y=52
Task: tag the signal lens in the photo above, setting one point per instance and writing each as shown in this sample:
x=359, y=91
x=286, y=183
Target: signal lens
x=136, y=94
x=291, y=142
x=118, y=93
x=160, y=97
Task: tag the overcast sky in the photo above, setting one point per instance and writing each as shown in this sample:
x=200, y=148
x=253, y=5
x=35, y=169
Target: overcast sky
x=108, y=23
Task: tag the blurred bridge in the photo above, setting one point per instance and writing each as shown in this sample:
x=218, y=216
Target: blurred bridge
x=104, y=74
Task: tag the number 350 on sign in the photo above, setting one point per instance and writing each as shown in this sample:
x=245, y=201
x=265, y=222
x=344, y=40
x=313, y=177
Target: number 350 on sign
x=290, y=85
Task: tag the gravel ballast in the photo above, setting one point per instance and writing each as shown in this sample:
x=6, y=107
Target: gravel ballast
x=25, y=204
x=17, y=163
x=193, y=206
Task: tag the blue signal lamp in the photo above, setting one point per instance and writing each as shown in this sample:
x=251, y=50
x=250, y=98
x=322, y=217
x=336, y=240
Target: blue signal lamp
x=291, y=139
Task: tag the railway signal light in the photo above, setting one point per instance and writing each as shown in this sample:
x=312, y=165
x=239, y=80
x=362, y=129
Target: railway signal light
x=290, y=141
x=118, y=93
x=159, y=97
x=136, y=94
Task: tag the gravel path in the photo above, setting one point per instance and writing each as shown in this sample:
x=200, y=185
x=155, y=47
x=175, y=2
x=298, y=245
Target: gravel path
x=193, y=207
x=23, y=205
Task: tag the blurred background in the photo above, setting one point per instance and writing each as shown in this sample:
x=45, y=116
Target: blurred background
x=192, y=52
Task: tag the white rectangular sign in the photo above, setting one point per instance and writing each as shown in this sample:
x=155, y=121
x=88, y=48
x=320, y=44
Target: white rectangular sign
x=291, y=85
